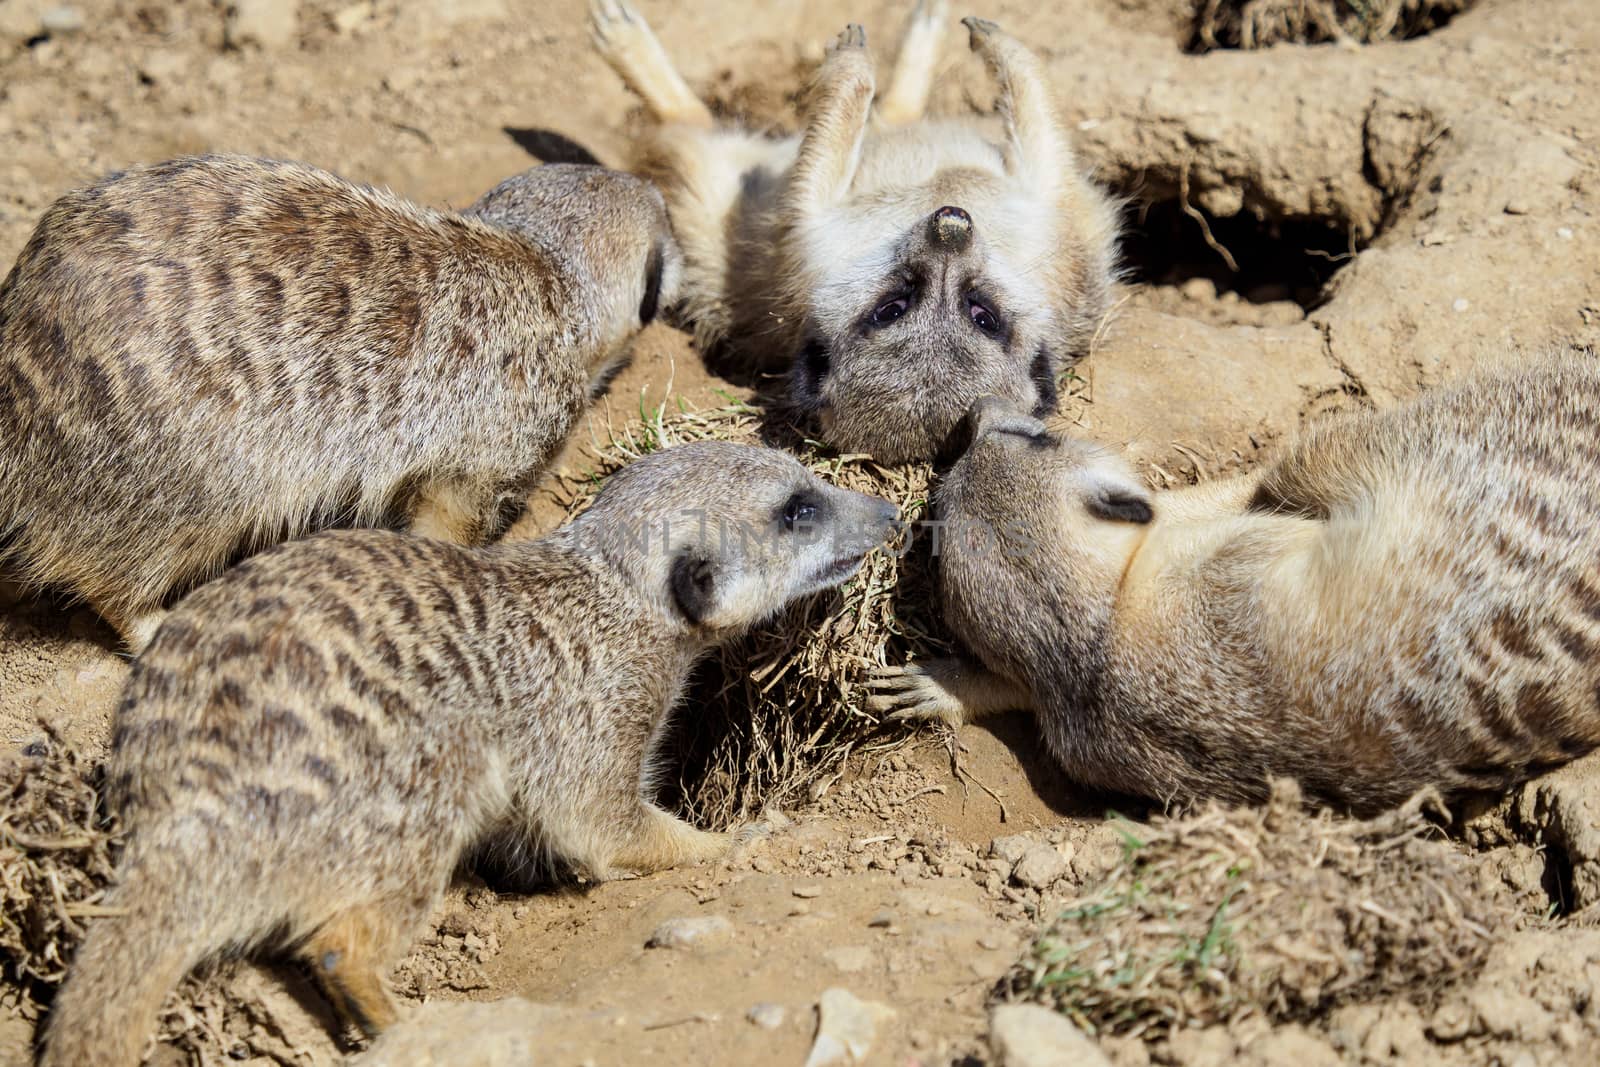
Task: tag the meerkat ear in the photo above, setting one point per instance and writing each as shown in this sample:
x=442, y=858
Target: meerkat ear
x=1118, y=499
x=694, y=585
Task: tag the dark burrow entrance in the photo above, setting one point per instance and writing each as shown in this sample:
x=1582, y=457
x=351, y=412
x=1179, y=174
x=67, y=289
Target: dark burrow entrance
x=1262, y=260
x=1249, y=24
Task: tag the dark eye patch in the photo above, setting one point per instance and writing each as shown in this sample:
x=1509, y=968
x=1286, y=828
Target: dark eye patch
x=651, y=304
x=1043, y=373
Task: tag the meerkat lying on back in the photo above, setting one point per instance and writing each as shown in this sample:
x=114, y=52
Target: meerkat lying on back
x=313, y=741
x=202, y=358
x=899, y=266
x=1404, y=599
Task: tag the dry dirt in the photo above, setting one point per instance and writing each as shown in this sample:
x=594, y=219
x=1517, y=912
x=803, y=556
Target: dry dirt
x=1392, y=215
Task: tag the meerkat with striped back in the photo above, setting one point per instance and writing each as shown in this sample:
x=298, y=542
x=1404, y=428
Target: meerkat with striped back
x=896, y=267
x=202, y=358
x=1404, y=599
x=314, y=740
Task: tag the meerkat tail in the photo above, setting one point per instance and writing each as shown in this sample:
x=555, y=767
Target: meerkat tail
x=912, y=80
x=108, y=1010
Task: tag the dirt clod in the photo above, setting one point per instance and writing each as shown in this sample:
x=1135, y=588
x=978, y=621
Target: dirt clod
x=56, y=856
x=1273, y=911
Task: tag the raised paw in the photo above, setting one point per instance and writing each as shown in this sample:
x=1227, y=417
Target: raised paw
x=979, y=31
x=911, y=694
x=852, y=38
x=614, y=25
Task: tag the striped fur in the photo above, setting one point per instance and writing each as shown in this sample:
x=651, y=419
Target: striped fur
x=202, y=358
x=1404, y=599
x=313, y=741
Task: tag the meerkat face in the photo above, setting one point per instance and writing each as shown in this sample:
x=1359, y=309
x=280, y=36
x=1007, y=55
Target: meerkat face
x=1026, y=500
x=723, y=536
x=612, y=229
x=902, y=339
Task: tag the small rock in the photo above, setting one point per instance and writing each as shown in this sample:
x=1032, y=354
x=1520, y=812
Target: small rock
x=1509, y=1013
x=62, y=21
x=1293, y=1045
x=846, y=1028
x=767, y=1015
x=1199, y=289
x=881, y=920
x=1010, y=849
x=349, y=19
x=1564, y=232
x=807, y=892
x=1451, y=1021
x=1516, y=206
x=1040, y=867
x=268, y=24
x=1461, y=303
x=1026, y=1035
x=1211, y=1047
x=697, y=932
x=851, y=959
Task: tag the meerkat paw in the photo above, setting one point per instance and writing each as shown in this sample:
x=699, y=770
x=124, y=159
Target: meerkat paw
x=912, y=693
x=625, y=40
x=770, y=822
x=853, y=38
x=980, y=31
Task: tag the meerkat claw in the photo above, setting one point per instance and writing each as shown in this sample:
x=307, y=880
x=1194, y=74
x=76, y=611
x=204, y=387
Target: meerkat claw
x=978, y=29
x=851, y=37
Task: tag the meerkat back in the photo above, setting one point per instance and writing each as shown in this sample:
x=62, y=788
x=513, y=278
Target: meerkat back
x=203, y=357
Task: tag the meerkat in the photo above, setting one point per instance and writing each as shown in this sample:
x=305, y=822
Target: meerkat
x=897, y=267
x=314, y=740
x=1404, y=599
x=204, y=357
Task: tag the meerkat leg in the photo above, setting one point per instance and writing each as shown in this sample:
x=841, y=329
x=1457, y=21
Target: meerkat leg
x=953, y=691
x=352, y=953
x=653, y=840
x=836, y=123
x=624, y=39
x=1038, y=149
x=907, y=96
x=456, y=510
x=136, y=628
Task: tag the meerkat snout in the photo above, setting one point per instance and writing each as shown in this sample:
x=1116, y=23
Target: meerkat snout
x=951, y=228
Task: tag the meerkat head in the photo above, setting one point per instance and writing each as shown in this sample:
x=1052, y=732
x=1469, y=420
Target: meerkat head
x=612, y=229
x=1038, y=530
x=901, y=338
x=723, y=536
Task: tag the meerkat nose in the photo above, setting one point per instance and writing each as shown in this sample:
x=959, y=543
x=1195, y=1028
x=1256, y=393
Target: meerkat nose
x=951, y=228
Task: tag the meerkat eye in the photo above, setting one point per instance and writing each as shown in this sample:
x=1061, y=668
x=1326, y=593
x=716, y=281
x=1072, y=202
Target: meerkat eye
x=889, y=310
x=983, y=318
x=798, y=510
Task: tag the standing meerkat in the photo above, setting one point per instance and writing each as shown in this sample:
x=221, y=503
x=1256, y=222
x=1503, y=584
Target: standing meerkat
x=314, y=740
x=202, y=358
x=1404, y=599
x=898, y=266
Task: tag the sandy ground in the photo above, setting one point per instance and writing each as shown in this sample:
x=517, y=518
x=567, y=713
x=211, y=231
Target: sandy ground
x=1397, y=213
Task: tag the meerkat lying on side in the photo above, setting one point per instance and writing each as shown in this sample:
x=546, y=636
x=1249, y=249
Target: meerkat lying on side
x=313, y=741
x=900, y=267
x=202, y=358
x=1404, y=599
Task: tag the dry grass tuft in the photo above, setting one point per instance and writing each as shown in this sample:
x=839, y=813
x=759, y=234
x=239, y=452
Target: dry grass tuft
x=1271, y=912
x=57, y=851
x=773, y=715
x=1251, y=24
